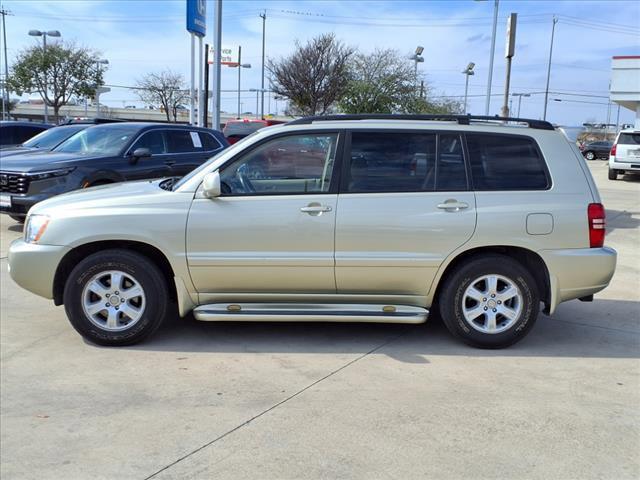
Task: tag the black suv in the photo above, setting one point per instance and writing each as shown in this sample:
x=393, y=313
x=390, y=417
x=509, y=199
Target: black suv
x=101, y=154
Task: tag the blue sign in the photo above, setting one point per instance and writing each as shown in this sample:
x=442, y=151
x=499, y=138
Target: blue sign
x=197, y=17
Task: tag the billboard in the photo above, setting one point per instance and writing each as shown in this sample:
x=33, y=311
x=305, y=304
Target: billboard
x=197, y=17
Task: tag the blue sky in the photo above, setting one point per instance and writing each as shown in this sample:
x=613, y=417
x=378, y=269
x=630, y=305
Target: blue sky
x=139, y=36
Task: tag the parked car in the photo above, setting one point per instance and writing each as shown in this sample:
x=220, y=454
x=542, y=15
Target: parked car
x=15, y=133
x=235, y=130
x=102, y=154
x=93, y=120
x=625, y=154
x=43, y=142
x=390, y=217
x=594, y=150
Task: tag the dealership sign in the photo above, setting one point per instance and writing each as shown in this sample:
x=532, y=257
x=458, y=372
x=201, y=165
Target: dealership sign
x=197, y=17
x=226, y=56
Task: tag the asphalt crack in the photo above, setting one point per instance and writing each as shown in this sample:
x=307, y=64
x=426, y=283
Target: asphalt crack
x=282, y=402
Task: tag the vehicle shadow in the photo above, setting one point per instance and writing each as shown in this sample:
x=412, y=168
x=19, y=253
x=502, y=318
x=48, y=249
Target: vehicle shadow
x=622, y=219
x=602, y=329
x=17, y=227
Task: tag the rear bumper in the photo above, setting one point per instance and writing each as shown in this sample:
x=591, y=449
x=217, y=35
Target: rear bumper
x=33, y=266
x=578, y=272
x=626, y=166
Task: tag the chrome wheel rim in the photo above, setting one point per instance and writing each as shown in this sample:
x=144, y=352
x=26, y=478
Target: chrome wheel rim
x=492, y=304
x=113, y=300
x=590, y=156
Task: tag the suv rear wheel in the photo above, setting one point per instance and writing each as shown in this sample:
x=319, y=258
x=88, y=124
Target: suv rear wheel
x=613, y=174
x=116, y=297
x=490, y=302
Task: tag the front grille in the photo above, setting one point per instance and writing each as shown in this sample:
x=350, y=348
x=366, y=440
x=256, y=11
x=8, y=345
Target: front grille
x=13, y=183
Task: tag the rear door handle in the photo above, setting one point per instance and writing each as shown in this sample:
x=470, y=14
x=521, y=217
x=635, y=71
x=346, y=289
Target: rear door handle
x=315, y=209
x=453, y=205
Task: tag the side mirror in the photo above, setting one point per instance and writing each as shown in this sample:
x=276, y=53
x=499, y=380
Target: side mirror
x=140, y=153
x=211, y=185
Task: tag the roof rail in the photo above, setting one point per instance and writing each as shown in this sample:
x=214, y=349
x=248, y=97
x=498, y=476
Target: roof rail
x=461, y=119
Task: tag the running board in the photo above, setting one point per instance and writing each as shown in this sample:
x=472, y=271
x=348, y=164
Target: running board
x=296, y=312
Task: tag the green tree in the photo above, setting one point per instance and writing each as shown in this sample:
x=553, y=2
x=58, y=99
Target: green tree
x=58, y=73
x=314, y=76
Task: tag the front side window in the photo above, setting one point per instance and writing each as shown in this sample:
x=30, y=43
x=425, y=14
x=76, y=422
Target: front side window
x=294, y=164
x=504, y=162
x=153, y=140
x=405, y=162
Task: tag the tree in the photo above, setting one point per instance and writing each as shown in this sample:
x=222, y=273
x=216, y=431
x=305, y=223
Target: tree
x=58, y=73
x=166, y=88
x=380, y=82
x=446, y=106
x=11, y=105
x=314, y=77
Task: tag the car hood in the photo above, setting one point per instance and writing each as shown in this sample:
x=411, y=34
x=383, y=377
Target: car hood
x=38, y=161
x=11, y=151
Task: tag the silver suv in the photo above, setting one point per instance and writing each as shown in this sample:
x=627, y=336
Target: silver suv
x=360, y=218
x=625, y=154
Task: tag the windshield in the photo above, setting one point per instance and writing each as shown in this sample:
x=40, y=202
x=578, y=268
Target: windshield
x=52, y=137
x=100, y=140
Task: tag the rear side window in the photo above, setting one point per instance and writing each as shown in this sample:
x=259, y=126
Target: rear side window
x=629, y=139
x=24, y=133
x=503, y=162
x=405, y=162
x=209, y=142
x=183, y=141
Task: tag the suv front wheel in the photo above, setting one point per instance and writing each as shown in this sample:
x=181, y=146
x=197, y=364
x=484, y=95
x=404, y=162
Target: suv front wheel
x=116, y=297
x=490, y=302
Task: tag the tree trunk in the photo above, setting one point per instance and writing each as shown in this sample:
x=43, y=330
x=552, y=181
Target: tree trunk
x=56, y=110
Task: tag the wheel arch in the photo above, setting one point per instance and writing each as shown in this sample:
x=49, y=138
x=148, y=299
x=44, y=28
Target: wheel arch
x=527, y=258
x=71, y=259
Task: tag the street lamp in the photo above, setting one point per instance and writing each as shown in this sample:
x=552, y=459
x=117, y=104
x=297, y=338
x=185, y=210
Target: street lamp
x=44, y=35
x=98, y=63
x=467, y=72
x=493, y=48
x=417, y=58
x=520, y=95
x=240, y=66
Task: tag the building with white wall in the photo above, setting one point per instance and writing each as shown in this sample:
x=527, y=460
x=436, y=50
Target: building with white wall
x=625, y=83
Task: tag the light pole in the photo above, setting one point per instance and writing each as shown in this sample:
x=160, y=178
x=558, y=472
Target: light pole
x=44, y=35
x=491, y=55
x=546, y=90
x=417, y=58
x=260, y=91
x=467, y=72
x=264, y=20
x=520, y=95
x=99, y=62
x=240, y=66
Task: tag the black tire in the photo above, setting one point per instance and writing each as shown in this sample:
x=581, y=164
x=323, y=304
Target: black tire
x=18, y=218
x=145, y=272
x=613, y=174
x=452, y=296
x=589, y=155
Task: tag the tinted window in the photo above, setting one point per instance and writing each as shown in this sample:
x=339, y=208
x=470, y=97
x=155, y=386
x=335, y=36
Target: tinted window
x=153, y=140
x=6, y=135
x=405, y=162
x=24, y=133
x=503, y=162
x=183, y=141
x=209, y=142
x=292, y=164
x=629, y=139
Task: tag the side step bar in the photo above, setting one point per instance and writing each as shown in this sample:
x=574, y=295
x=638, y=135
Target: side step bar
x=296, y=312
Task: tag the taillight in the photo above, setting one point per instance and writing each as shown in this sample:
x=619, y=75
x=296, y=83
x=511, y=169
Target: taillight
x=596, y=215
x=613, y=150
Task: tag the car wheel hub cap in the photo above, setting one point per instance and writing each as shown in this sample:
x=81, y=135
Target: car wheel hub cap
x=492, y=304
x=113, y=300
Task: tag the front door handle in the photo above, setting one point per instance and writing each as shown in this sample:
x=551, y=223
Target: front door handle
x=169, y=162
x=315, y=209
x=452, y=205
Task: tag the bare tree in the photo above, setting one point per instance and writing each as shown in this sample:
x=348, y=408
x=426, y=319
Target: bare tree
x=166, y=88
x=314, y=77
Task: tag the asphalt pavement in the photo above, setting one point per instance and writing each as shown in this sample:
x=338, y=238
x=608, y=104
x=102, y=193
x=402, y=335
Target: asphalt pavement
x=306, y=401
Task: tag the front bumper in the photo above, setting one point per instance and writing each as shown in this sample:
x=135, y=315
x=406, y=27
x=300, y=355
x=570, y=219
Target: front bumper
x=34, y=266
x=578, y=272
x=20, y=204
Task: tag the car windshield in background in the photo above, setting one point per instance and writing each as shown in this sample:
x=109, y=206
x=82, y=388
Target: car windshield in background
x=629, y=139
x=52, y=137
x=107, y=140
x=242, y=128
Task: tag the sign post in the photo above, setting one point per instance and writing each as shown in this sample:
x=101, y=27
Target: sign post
x=197, y=26
x=509, y=53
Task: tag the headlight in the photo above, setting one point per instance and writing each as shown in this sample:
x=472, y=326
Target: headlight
x=35, y=227
x=51, y=173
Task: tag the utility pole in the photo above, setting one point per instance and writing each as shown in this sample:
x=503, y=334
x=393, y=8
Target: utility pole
x=510, y=52
x=546, y=90
x=217, y=52
x=239, y=72
x=5, y=93
x=493, y=49
x=192, y=84
x=264, y=21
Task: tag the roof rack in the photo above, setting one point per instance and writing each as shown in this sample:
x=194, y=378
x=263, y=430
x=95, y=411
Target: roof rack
x=461, y=119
